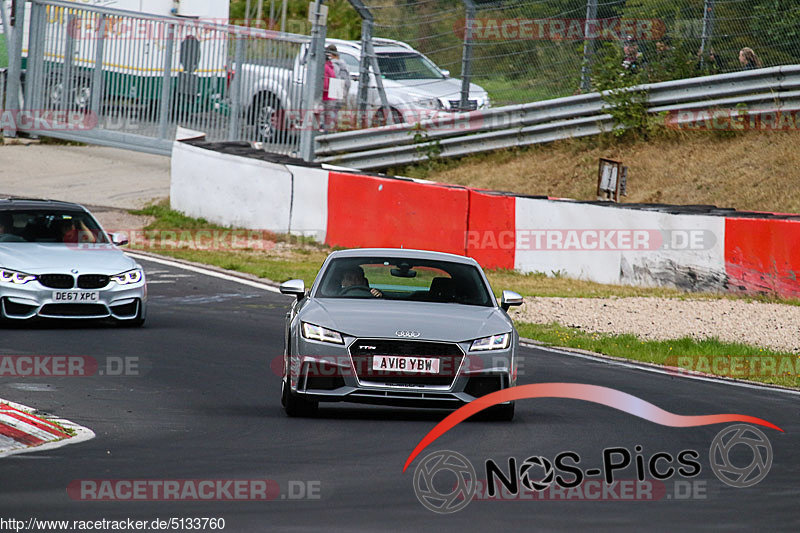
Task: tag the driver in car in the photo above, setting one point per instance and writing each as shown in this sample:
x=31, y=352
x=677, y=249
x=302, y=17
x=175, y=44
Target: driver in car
x=354, y=277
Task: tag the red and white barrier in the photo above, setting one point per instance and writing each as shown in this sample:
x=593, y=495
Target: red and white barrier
x=602, y=243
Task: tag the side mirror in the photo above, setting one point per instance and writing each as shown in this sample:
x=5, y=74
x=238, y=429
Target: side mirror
x=510, y=298
x=295, y=287
x=446, y=73
x=119, y=239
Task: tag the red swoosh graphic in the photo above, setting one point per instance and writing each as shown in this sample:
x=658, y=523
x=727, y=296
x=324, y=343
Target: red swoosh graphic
x=577, y=391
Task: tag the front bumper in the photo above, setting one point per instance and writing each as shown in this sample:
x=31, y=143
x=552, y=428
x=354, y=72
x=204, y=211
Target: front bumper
x=328, y=372
x=32, y=300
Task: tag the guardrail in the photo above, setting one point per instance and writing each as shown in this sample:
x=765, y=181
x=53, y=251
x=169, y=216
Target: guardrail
x=457, y=134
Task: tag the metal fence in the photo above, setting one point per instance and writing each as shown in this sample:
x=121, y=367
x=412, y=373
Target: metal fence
x=750, y=92
x=131, y=80
x=529, y=50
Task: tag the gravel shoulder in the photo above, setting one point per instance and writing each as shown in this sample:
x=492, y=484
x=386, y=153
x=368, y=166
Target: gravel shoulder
x=771, y=325
x=89, y=175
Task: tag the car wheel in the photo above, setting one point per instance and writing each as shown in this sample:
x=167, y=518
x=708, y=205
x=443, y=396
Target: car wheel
x=135, y=322
x=296, y=406
x=500, y=413
x=267, y=116
x=379, y=118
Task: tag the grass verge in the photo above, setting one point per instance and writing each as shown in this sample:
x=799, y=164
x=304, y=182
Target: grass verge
x=708, y=355
x=3, y=51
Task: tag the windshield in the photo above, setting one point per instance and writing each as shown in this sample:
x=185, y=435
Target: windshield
x=392, y=278
x=407, y=66
x=49, y=226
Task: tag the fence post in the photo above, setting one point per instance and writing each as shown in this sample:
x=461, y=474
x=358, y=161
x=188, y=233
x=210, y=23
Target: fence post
x=97, y=73
x=68, y=70
x=466, y=56
x=236, y=85
x=588, y=46
x=708, y=28
x=367, y=22
x=15, y=66
x=166, y=85
x=368, y=59
x=34, y=75
x=313, y=80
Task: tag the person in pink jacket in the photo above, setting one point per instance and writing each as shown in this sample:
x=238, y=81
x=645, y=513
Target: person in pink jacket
x=330, y=106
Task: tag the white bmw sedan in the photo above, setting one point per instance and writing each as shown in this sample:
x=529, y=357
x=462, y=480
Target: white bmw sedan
x=57, y=262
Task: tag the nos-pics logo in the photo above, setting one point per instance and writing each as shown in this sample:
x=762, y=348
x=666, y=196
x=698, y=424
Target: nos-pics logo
x=446, y=482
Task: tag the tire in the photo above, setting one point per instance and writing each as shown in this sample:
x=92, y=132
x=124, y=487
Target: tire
x=267, y=116
x=295, y=406
x=379, y=118
x=135, y=322
x=81, y=92
x=500, y=413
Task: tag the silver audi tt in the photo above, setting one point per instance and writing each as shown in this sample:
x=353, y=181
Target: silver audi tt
x=57, y=262
x=398, y=327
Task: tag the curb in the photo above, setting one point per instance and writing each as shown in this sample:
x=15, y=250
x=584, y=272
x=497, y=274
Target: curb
x=24, y=429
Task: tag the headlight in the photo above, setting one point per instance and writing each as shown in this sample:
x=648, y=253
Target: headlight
x=127, y=278
x=494, y=342
x=318, y=333
x=17, y=278
x=429, y=103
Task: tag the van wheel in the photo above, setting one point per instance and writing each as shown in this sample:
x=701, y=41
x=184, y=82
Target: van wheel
x=80, y=97
x=267, y=116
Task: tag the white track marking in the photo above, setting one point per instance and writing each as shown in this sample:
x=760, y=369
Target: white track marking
x=206, y=272
x=656, y=370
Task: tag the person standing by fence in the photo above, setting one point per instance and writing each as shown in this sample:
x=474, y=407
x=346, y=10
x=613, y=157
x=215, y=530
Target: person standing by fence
x=334, y=88
x=748, y=59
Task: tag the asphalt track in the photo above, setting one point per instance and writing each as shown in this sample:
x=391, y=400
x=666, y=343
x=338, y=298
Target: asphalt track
x=206, y=406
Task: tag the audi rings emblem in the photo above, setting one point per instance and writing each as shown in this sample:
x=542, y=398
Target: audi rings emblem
x=407, y=334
